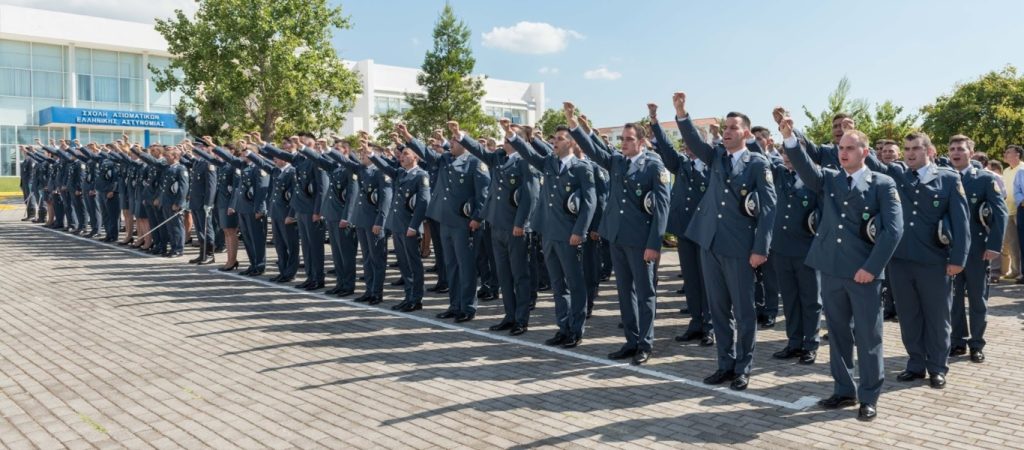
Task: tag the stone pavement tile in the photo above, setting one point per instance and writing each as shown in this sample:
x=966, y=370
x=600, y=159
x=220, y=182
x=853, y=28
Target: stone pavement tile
x=173, y=355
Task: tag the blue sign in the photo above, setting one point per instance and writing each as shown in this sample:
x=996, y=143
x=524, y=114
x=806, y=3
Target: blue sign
x=106, y=117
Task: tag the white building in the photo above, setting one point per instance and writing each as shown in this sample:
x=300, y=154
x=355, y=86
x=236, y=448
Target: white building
x=384, y=88
x=69, y=76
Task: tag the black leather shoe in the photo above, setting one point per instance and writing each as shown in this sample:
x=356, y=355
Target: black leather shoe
x=740, y=383
x=375, y=300
x=256, y=273
x=304, y=284
x=274, y=279
x=439, y=288
x=708, y=340
x=315, y=285
x=346, y=292
x=788, y=353
x=445, y=315
x=640, y=357
x=502, y=326
x=464, y=318
x=410, y=307
x=557, y=339
x=867, y=412
x=517, y=330
x=720, y=377
x=398, y=282
x=907, y=375
x=768, y=322
x=332, y=291
x=398, y=306
x=937, y=381
x=689, y=336
x=809, y=357
x=209, y=260
x=286, y=279
x=977, y=356
x=486, y=296
x=837, y=402
x=363, y=298
x=543, y=288
x=572, y=342
x=957, y=351
x=889, y=316
x=246, y=271
x=174, y=255
x=622, y=353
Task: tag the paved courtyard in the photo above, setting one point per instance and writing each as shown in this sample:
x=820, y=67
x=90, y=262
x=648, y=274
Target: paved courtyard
x=103, y=347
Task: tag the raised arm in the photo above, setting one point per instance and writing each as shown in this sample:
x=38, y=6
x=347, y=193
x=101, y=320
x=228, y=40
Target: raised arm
x=320, y=160
x=429, y=157
x=383, y=165
x=261, y=162
x=810, y=173
x=474, y=147
x=662, y=146
x=275, y=152
x=583, y=139
x=691, y=137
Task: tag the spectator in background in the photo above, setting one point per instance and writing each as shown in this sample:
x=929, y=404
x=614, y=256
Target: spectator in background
x=1011, y=242
x=996, y=167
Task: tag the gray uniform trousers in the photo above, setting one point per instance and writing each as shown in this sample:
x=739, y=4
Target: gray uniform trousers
x=924, y=298
x=729, y=283
x=846, y=300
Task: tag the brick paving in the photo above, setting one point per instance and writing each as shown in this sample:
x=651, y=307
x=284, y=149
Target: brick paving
x=103, y=347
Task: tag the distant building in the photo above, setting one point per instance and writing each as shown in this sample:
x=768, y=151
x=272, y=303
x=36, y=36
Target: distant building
x=384, y=88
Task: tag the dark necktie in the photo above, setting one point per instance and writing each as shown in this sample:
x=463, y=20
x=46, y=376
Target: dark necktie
x=629, y=162
x=727, y=164
x=561, y=166
x=913, y=178
x=849, y=181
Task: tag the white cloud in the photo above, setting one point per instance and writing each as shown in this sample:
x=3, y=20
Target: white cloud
x=135, y=11
x=548, y=71
x=534, y=38
x=602, y=73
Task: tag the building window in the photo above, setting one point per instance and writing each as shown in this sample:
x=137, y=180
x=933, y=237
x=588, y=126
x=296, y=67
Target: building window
x=383, y=104
x=16, y=82
x=516, y=115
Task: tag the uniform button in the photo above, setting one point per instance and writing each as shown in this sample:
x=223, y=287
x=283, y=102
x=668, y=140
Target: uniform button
x=840, y=226
x=842, y=215
x=911, y=223
x=550, y=205
x=784, y=227
x=719, y=216
x=623, y=200
x=621, y=212
x=723, y=203
x=839, y=240
x=787, y=216
x=915, y=202
x=914, y=212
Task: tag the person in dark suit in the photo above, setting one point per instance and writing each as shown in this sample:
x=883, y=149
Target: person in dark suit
x=734, y=232
x=989, y=217
x=861, y=225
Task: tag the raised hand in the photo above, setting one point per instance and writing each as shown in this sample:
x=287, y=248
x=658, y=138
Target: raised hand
x=453, y=128
x=652, y=112
x=585, y=123
x=786, y=127
x=679, y=102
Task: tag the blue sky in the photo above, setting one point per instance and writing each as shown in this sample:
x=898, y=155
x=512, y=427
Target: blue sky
x=744, y=55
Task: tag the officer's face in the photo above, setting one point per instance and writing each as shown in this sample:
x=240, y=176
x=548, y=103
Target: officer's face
x=1011, y=157
x=837, y=129
x=916, y=154
x=852, y=153
x=960, y=155
x=889, y=153
x=563, y=143
x=785, y=161
x=630, y=143
x=735, y=133
x=408, y=158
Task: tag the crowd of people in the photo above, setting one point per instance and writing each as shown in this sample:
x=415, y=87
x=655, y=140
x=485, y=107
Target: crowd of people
x=855, y=231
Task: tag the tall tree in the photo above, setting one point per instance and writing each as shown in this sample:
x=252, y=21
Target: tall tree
x=820, y=129
x=990, y=110
x=452, y=92
x=550, y=120
x=887, y=122
x=385, y=126
x=257, y=64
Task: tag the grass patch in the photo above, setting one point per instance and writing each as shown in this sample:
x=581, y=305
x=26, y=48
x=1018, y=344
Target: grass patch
x=10, y=184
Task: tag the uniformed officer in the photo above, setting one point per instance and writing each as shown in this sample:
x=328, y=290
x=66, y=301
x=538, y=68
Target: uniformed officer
x=91, y=152
x=634, y=223
x=307, y=199
x=369, y=215
x=458, y=206
x=229, y=174
x=202, y=194
x=28, y=197
x=284, y=227
x=798, y=283
x=514, y=189
x=566, y=206
x=988, y=223
x=691, y=182
x=249, y=203
x=734, y=232
x=174, y=200
x=592, y=257
x=861, y=225
x=156, y=164
x=411, y=193
x=927, y=259
x=440, y=145
x=107, y=186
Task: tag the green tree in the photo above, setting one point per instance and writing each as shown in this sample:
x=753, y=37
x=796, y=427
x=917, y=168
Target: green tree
x=550, y=120
x=820, y=129
x=452, y=92
x=887, y=123
x=385, y=126
x=257, y=64
x=990, y=110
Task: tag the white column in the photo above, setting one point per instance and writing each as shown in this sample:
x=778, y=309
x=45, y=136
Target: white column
x=72, y=77
x=145, y=82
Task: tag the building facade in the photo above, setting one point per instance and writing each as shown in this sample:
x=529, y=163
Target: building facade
x=385, y=88
x=69, y=76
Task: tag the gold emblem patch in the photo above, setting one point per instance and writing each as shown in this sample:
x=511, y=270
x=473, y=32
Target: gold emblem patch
x=664, y=177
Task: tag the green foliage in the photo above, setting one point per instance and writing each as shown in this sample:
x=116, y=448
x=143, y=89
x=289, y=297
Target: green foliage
x=989, y=110
x=452, y=92
x=550, y=120
x=820, y=129
x=257, y=64
x=887, y=123
x=385, y=126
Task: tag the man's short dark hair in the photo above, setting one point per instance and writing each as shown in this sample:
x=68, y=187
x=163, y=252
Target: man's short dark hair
x=561, y=128
x=925, y=139
x=1016, y=148
x=840, y=116
x=761, y=132
x=743, y=118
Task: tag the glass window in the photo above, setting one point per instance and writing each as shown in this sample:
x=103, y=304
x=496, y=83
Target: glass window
x=8, y=160
x=130, y=65
x=17, y=110
x=15, y=82
x=83, y=60
x=130, y=91
x=47, y=84
x=104, y=63
x=15, y=54
x=47, y=57
x=383, y=104
x=105, y=89
x=84, y=87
